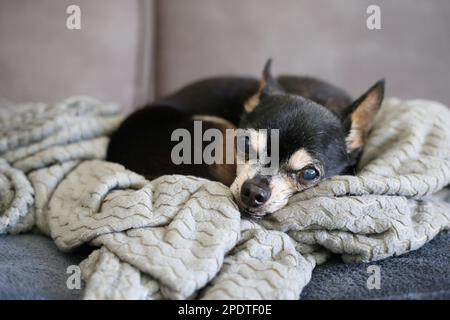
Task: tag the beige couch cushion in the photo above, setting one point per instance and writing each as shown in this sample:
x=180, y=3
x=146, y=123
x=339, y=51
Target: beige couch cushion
x=112, y=56
x=109, y=58
x=325, y=38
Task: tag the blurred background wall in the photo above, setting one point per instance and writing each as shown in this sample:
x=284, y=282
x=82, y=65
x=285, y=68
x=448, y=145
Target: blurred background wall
x=130, y=51
x=110, y=57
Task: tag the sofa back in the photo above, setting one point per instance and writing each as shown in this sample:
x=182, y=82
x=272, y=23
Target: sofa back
x=130, y=51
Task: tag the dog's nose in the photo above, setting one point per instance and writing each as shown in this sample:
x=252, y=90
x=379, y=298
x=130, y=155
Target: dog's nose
x=255, y=192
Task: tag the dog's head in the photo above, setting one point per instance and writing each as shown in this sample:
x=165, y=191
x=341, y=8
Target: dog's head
x=313, y=143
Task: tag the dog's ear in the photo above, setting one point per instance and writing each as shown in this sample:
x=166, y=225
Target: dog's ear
x=361, y=116
x=267, y=85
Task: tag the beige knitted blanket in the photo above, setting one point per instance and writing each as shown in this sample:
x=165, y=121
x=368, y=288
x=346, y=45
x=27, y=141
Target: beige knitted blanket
x=183, y=237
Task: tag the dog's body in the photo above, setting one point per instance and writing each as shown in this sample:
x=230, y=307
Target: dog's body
x=321, y=133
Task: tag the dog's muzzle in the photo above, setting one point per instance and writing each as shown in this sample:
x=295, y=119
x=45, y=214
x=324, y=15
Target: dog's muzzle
x=255, y=192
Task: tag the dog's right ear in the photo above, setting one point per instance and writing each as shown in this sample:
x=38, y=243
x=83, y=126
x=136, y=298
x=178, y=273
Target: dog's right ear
x=361, y=116
x=267, y=85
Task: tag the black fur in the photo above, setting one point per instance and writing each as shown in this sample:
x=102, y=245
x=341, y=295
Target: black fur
x=309, y=113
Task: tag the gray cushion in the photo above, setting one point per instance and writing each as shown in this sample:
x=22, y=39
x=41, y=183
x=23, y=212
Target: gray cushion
x=31, y=267
x=421, y=274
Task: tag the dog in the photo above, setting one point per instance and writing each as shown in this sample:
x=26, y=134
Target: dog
x=321, y=133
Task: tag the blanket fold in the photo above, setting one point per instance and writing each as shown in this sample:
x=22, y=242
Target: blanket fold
x=181, y=237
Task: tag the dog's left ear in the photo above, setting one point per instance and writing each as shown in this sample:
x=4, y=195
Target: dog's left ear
x=267, y=85
x=361, y=116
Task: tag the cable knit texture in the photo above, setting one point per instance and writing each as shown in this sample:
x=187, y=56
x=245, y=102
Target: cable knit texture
x=181, y=237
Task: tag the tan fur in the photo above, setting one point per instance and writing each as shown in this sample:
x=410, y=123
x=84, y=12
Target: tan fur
x=355, y=138
x=258, y=141
x=300, y=159
x=218, y=120
x=282, y=188
x=362, y=121
x=225, y=173
x=253, y=101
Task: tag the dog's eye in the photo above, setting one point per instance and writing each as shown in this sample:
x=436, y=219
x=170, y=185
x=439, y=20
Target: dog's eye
x=309, y=174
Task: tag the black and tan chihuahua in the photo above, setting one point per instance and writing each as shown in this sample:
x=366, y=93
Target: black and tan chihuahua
x=321, y=133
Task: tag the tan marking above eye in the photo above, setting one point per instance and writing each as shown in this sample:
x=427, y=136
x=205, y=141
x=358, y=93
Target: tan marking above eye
x=300, y=159
x=258, y=140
